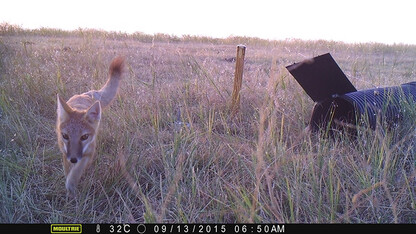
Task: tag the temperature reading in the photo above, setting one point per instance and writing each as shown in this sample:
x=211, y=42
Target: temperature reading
x=125, y=228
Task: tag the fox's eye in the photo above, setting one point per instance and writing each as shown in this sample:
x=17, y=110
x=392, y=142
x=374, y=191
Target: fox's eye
x=84, y=137
x=65, y=136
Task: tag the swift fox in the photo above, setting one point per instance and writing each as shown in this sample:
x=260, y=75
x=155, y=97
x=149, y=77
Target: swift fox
x=77, y=125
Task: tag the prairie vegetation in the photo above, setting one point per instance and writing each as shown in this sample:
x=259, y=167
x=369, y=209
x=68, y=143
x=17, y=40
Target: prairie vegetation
x=167, y=149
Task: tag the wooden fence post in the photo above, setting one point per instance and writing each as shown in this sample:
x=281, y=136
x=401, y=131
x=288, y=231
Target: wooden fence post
x=238, y=79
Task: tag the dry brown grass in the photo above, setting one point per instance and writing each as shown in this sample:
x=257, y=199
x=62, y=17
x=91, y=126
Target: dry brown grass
x=168, y=151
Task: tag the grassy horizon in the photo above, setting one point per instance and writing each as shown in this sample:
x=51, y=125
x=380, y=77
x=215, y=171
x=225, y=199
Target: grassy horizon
x=167, y=149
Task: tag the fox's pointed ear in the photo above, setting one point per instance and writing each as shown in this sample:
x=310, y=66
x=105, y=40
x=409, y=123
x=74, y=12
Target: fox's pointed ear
x=62, y=109
x=94, y=113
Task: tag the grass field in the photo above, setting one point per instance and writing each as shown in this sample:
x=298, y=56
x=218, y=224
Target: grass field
x=168, y=150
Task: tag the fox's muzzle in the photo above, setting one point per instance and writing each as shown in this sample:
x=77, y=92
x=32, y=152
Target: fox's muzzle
x=74, y=152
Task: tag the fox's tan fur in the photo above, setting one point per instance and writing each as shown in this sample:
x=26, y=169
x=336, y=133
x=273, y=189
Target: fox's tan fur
x=77, y=125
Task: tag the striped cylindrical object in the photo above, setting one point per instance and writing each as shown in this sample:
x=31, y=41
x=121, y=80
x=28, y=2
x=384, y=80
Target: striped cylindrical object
x=364, y=107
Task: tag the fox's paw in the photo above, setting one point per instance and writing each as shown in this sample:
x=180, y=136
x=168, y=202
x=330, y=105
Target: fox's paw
x=70, y=188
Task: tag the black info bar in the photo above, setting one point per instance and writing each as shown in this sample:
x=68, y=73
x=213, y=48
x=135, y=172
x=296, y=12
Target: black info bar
x=202, y=228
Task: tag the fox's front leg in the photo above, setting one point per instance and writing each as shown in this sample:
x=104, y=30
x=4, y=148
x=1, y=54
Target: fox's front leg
x=75, y=174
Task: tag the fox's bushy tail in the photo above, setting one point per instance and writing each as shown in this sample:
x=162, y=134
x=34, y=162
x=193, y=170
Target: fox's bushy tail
x=107, y=93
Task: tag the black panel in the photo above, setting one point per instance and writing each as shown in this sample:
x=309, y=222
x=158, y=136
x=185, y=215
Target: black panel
x=321, y=77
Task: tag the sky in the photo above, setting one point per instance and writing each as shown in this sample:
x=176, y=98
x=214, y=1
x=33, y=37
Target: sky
x=339, y=20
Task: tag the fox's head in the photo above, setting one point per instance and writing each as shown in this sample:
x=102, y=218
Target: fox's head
x=76, y=130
